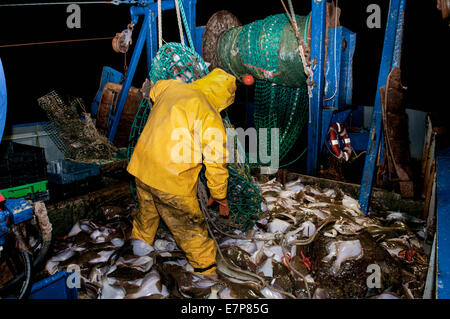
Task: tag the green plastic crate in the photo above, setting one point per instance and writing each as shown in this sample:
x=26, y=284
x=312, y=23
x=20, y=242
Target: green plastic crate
x=24, y=190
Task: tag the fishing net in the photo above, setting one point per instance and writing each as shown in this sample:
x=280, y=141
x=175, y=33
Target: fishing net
x=268, y=49
x=78, y=140
x=136, y=129
x=281, y=107
x=175, y=61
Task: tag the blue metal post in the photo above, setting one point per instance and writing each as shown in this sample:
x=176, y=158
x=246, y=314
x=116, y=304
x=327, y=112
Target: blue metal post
x=399, y=36
x=148, y=36
x=318, y=29
x=391, y=54
x=129, y=77
x=150, y=43
x=3, y=100
x=108, y=75
x=443, y=223
x=338, y=80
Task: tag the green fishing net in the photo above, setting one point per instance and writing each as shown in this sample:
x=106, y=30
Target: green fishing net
x=175, y=61
x=281, y=107
x=268, y=49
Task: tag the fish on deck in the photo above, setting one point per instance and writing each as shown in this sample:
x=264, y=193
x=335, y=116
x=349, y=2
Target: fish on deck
x=305, y=237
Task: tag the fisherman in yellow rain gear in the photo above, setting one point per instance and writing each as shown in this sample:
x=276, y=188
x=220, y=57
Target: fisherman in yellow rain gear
x=183, y=131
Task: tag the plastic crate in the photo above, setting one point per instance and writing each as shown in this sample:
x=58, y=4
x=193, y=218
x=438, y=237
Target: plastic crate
x=65, y=172
x=53, y=287
x=18, y=155
x=27, y=178
x=78, y=188
x=24, y=190
x=21, y=164
x=39, y=197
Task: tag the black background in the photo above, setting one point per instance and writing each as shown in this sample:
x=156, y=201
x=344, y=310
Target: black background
x=74, y=69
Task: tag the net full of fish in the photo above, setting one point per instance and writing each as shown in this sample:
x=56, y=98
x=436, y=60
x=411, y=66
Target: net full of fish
x=305, y=244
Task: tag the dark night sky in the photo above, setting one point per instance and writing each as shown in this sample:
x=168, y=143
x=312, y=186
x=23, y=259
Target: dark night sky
x=74, y=69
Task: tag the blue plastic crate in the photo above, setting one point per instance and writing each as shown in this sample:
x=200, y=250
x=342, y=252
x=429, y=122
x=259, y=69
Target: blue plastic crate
x=19, y=209
x=53, y=287
x=65, y=172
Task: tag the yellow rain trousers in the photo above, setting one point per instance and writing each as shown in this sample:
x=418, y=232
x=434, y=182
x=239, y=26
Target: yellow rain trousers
x=183, y=131
x=183, y=217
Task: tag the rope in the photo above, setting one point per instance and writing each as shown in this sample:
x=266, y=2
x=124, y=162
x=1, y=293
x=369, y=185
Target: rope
x=237, y=269
x=180, y=25
x=335, y=52
x=44, y=223
x=159, y=25
x=186, y=26
x=301, y=47
x=291, y=8
x=283, y=247
x=53, y=42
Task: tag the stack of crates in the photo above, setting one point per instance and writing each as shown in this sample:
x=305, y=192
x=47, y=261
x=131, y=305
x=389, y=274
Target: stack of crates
x=23, y=171
x=69, y=178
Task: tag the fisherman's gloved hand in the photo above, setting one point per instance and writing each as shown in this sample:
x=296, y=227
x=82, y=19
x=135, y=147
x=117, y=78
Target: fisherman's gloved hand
x=224, y=209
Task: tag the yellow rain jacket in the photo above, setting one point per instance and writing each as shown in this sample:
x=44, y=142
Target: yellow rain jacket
x=181, y=115
x=166, y=187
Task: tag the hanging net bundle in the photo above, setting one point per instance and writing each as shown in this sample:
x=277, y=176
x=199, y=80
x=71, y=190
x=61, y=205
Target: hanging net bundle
x=268, y=50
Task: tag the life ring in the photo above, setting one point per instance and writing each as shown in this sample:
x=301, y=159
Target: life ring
x=335, y=131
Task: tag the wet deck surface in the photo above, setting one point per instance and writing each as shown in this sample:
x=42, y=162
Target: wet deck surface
x=137, y=270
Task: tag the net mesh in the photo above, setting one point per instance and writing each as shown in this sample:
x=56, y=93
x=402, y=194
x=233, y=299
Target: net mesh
x=175, y=61
x=78, y=140
x=268, y=49
x=280, y=107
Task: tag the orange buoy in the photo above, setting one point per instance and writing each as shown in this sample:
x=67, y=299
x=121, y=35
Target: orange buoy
x=248, y=79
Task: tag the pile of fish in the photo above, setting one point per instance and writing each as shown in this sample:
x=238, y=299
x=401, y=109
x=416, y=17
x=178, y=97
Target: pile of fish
x=307, y=243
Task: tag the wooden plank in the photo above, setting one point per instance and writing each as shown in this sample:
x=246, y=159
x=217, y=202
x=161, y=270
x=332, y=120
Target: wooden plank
x=426, y=146
x=63, y=215
x=429, y=164
x=429, y=189
x=381, y=199
x=431, y=218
